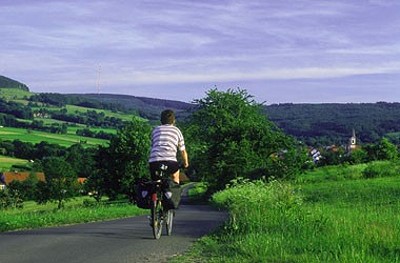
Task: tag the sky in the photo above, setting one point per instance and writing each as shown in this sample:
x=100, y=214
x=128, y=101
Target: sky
x=286, y=51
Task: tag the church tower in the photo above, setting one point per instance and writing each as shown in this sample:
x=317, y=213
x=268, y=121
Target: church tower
x=352, y=141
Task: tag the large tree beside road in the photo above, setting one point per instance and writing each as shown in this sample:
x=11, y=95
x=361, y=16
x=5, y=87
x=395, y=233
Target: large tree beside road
x=230, y=137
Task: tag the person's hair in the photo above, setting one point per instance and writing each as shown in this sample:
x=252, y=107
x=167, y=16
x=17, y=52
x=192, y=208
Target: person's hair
x=167, y=117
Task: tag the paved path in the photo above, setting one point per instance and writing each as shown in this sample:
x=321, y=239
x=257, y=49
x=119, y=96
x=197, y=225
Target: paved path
x=125, y=240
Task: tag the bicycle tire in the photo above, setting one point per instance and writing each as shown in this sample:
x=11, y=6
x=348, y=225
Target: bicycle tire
x=157, y=218
x=170, y=221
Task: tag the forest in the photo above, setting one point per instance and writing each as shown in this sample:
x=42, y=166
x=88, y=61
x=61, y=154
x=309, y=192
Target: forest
x=315, y=124
x=326, y=124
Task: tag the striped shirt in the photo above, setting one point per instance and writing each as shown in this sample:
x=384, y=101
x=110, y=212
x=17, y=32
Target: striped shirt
x=165, y=141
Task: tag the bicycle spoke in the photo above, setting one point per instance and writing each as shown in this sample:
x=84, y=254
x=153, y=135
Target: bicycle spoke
x=170, y=220
x=157, y=219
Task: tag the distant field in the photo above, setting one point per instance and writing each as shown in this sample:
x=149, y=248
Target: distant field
x=73, y=127
x=72, y=130
x=14, y=94
x=31, y=136
x=126, y=117
x=73, y=109
x=6, y=162
x=20, y=95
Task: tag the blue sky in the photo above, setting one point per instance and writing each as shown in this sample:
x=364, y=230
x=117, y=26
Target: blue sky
x=299, y=51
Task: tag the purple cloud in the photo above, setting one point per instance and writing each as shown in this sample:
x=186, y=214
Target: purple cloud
x=280, y=51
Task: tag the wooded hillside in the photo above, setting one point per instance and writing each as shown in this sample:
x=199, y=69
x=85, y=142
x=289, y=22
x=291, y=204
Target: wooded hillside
x=148, y=108
x=10, y=83
x=324, y=124
x=314, y=124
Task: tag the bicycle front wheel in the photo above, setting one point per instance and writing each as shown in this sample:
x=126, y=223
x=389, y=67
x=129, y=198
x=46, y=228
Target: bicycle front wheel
x=157, y=218
x=170, y=221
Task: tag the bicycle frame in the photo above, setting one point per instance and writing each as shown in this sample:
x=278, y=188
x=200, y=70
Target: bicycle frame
x=158, y=212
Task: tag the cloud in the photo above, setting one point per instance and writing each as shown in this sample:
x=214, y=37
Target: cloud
x=60, y=44
x=148, y=77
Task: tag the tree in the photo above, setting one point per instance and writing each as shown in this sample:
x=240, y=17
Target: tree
x=229, y=137
x=386, y=150
x=124, y=160
x=26, y=188
x=81, y=159
x=383, y=150
x=23, y=150
x=61, y=181
x=45, y=149
x=358, y=156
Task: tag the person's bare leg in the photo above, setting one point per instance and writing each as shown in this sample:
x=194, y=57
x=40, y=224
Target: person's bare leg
x=175, y=177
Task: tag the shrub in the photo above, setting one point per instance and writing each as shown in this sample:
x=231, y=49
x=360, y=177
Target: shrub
x=10, y=198
x=381, y=169
x=253, y=205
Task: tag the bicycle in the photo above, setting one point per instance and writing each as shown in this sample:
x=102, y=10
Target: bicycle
x=159, y=199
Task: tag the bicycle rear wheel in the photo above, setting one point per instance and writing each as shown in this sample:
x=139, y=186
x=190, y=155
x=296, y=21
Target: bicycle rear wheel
x=157, y=218
x=170, y=221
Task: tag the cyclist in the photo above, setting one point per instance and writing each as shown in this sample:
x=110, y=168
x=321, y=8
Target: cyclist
x=166, y=140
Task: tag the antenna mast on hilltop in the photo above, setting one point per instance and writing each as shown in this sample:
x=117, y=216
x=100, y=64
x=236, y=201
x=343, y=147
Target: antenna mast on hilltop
x=98, y=79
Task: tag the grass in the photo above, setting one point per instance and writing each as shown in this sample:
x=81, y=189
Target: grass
x=36, y=216
x=312, y=220
x=6, y=162
x=73, y=109
x=34, y=137
x=18, y=95
x=66, y=140
x=197, y=193
x=15, y=94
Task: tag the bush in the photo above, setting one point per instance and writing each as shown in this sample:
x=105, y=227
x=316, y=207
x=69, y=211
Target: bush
x=10, y=199
x=381, y=169
x=255, y=204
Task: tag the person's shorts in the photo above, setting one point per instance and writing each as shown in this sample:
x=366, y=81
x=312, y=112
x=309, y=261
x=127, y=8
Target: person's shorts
x=173, y=167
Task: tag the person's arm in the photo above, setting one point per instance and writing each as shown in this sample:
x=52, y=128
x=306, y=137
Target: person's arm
x=185, y=158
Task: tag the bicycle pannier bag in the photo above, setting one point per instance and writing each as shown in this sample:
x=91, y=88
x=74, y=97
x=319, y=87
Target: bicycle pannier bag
x=172, y=195
x=142, y=193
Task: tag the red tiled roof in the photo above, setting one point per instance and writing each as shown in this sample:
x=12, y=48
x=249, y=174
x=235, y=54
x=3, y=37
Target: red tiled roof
x=21, y=176
x=82, y=180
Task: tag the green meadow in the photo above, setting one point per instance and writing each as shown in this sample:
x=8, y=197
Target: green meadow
x=73, y=109
x=32, y=136
x=15, y=94
x=318, y=218
x=6, y=162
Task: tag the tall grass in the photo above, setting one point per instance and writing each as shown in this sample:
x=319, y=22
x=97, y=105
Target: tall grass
x=319, y=221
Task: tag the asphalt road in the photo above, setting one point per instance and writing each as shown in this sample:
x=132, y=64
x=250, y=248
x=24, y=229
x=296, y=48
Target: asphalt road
x=125, y=240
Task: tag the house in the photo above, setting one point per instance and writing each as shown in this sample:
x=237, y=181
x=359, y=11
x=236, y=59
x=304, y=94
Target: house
x=8, y=177
x=82, y=180
x=2, y=181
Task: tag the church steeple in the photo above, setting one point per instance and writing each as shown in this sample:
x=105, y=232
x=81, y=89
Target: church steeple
x=353, y=138
x=353, y=141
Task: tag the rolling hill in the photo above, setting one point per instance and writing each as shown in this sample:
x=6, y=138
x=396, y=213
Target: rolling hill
x=314, y=124
x=12, y=84
x=147, y=108
x=325, y=124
